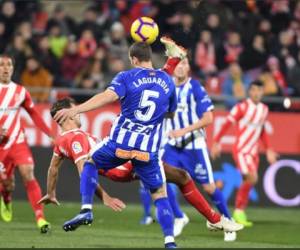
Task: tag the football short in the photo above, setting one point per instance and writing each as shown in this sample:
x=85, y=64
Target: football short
x=246, y=163
x=108, y=155
x=17, y=154
x=195, y=161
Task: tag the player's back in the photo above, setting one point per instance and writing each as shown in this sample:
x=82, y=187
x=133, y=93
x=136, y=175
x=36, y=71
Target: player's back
x=74, y=144
x=250, y=119
x=146, y=95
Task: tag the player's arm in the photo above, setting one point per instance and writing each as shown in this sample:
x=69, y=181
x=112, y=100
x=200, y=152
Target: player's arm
x=272, y=156
x=55, y=164
x=204, y=121
x=114, y=203
x=172, y=102
x=234, y=116
x=35, y=116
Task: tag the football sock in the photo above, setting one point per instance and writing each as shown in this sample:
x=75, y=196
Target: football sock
x=242, y=196
x=195, y=198
x=165, y=216
x=34, y=194
x=88, y=184
x=219, y=201
x=171, y=189
x=146, y=200
x=171, y=64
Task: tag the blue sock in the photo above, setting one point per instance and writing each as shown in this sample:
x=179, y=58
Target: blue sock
x=165, y=216
x=171, y=189
x=88, y=183
x=146, y=200
x=219, y=201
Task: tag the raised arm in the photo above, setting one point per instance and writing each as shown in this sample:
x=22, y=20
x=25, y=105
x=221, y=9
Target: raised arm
x=97, y=101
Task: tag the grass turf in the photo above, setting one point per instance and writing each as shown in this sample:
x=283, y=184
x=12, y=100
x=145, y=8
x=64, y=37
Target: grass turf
x=274, y=227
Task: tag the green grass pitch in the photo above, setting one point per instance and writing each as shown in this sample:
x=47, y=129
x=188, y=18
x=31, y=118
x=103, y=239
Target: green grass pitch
x=274, y=227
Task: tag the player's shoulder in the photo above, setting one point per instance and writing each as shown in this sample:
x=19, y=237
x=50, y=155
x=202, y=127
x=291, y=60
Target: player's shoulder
x=72, y=135
x=197, y=85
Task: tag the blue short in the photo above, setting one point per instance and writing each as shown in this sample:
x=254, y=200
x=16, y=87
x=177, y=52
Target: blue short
x=195, y=161
x=151, y=173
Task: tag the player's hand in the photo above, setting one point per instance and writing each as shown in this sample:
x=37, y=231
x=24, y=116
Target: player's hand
x=47, y=199
x=114, y=203
x=272, y=156
x=65, y=114
x=215, y=151
x=177, y=133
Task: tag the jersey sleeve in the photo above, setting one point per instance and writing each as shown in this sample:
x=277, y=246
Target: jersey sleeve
x=118, y=85
x=236, y=113
x=173, y=98
x=28, y=103
x=56, y=150
x=79, y=147
x=203, y=101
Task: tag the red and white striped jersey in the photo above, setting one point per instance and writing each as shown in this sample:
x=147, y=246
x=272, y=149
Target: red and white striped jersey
x=74, y=144
x=250, y=119
x=12, y=98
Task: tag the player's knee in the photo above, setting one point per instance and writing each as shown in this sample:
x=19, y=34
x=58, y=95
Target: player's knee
x=209, y=188
x=9, y=185
x=27, y=172
x=252, y=178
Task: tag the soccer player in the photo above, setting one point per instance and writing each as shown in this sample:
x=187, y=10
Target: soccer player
x=74, y=144
x=14, y=150
x=147, y=96
x=186, y=148
x=250, y=118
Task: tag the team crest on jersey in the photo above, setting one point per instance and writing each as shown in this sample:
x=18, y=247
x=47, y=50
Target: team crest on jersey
x=76, y=146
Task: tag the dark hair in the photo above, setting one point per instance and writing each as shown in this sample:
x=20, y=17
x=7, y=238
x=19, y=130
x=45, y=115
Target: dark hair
x=257, y=83
x=61, y=104
x=8, y=56
x=141, y=50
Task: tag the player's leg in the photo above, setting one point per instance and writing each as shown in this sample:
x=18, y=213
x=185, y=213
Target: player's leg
x=22, y=157
x=247, y=164
x=7, y=182
x=104, y=157
x=181, y=219
x=146, y=201
x=153, y=178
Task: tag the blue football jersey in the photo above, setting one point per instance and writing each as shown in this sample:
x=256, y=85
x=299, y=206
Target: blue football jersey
x=146, y=95
x=192, y=102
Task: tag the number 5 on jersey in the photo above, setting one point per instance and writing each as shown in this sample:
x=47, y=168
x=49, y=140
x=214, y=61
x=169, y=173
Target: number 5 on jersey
x=146, y=102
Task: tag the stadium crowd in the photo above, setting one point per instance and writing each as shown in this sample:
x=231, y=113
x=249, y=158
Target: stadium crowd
x=231, y=43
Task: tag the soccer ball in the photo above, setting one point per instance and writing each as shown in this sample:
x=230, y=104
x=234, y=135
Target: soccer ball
x=144, y=29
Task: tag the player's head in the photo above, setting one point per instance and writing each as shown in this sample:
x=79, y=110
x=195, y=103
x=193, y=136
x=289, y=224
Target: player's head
x=140, y=52
x=256, y=91
x=6, y=68
x=182, y=70
x=65, y=104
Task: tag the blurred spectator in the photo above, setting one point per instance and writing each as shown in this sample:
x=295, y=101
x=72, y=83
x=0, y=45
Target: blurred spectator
x=25, y=30
x=280, y=15
x=2, y=37
x=232, y=49
x=57, y=41
x=9, y=18
x=19, y=50
x=213, y=25
x=59, y=17
x=213, y=84
x=205, y=55
x=274, y=67
x=270, y=85
x=87, y=44
x=89, y=22
x=265, y=29
x=293, y=77
x=235, y=84
x=72, y=62
x=184, y=33
x=254, y=56
x=86, y=83
x=116, y=43
x=35, y=75
x=48, y=59
x=115, y=65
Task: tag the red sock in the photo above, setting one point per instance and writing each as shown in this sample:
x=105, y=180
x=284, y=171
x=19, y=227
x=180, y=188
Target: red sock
x=6, y=196
x=242, y=196
x=195, y=198
x=171, y=64
x=34, y=195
